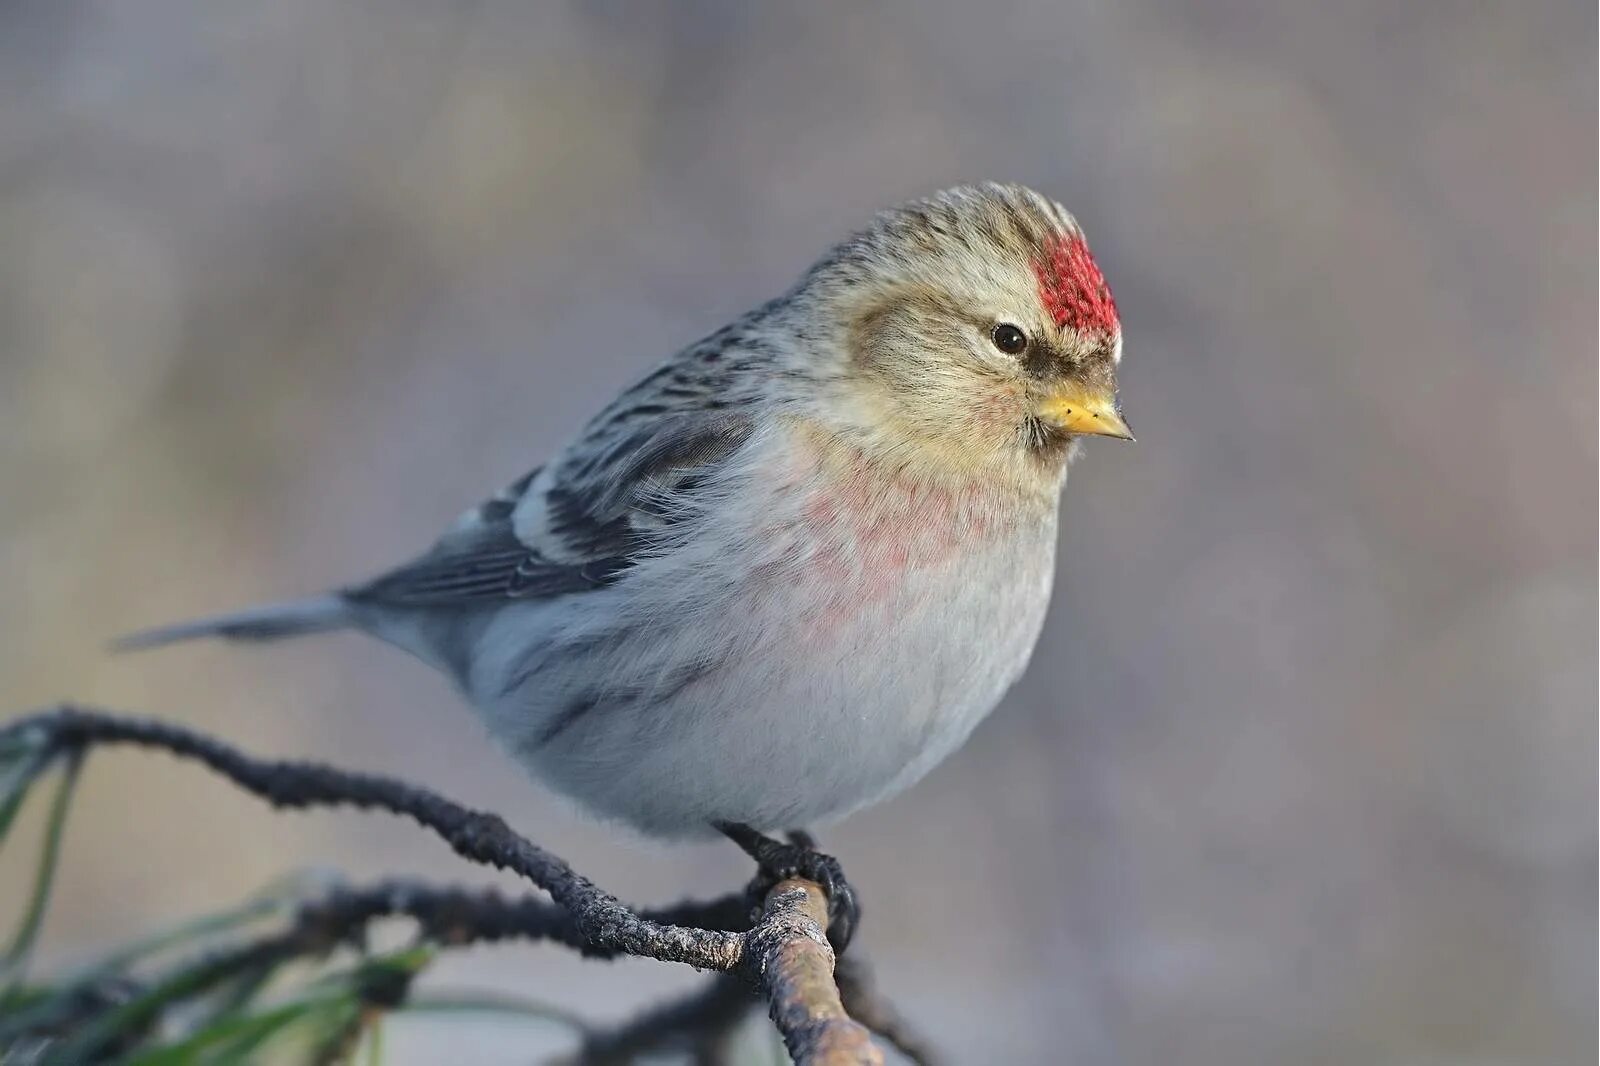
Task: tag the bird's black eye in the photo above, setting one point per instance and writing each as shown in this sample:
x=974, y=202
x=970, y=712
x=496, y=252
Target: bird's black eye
x=1009, y=339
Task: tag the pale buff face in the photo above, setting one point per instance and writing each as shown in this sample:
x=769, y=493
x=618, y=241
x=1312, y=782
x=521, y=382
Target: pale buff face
x=980, y=329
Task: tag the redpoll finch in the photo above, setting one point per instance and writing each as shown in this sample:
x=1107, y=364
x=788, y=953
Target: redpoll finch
x=787, y=572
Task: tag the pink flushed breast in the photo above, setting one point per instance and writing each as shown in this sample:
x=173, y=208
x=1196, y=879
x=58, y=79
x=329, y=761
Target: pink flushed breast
x=858, y=536
x=862, y=538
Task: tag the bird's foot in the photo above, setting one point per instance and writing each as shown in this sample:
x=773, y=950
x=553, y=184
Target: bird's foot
x=799, y=857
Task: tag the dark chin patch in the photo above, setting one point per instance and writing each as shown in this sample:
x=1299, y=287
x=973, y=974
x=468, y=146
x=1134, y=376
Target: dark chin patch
x=1043, y=440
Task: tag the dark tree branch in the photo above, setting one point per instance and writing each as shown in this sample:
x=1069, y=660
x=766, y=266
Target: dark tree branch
x=445, y=915
x=700, y=1024
x=863, y=1002
x=796, y=965
x=456, y=916
x=785, y=955
x=474, y=835
x=799, y=858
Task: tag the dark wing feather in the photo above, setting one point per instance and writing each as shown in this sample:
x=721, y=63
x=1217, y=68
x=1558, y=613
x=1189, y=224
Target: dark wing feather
x=666, y=458
x=491, y=564
x=598, y=513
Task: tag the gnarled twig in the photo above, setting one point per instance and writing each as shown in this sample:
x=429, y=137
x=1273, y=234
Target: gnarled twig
x=865, y=1004
x=785, y=955
x=701, y=1024
x=790, y=946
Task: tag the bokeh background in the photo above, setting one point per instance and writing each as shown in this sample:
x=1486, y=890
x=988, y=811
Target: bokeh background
x=1304, y=771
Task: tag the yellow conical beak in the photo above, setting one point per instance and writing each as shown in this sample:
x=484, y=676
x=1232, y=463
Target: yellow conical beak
x=1076, y=408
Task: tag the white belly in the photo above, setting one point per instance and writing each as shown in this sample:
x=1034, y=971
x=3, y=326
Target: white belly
x=782, y=677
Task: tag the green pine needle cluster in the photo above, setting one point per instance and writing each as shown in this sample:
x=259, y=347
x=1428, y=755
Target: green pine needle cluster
x=228, y=987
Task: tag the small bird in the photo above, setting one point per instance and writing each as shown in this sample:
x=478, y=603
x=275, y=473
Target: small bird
x=788, y=571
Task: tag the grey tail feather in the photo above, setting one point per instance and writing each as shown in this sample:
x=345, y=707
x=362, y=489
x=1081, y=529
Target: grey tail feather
x=269, y=622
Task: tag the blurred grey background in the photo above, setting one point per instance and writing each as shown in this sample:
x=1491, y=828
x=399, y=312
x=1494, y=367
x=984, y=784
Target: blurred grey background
x=1304, y=771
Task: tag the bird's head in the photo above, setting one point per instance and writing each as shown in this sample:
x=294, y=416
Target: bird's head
x=974, y=324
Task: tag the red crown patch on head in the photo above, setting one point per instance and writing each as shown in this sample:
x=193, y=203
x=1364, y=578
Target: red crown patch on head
x=1073, y=290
